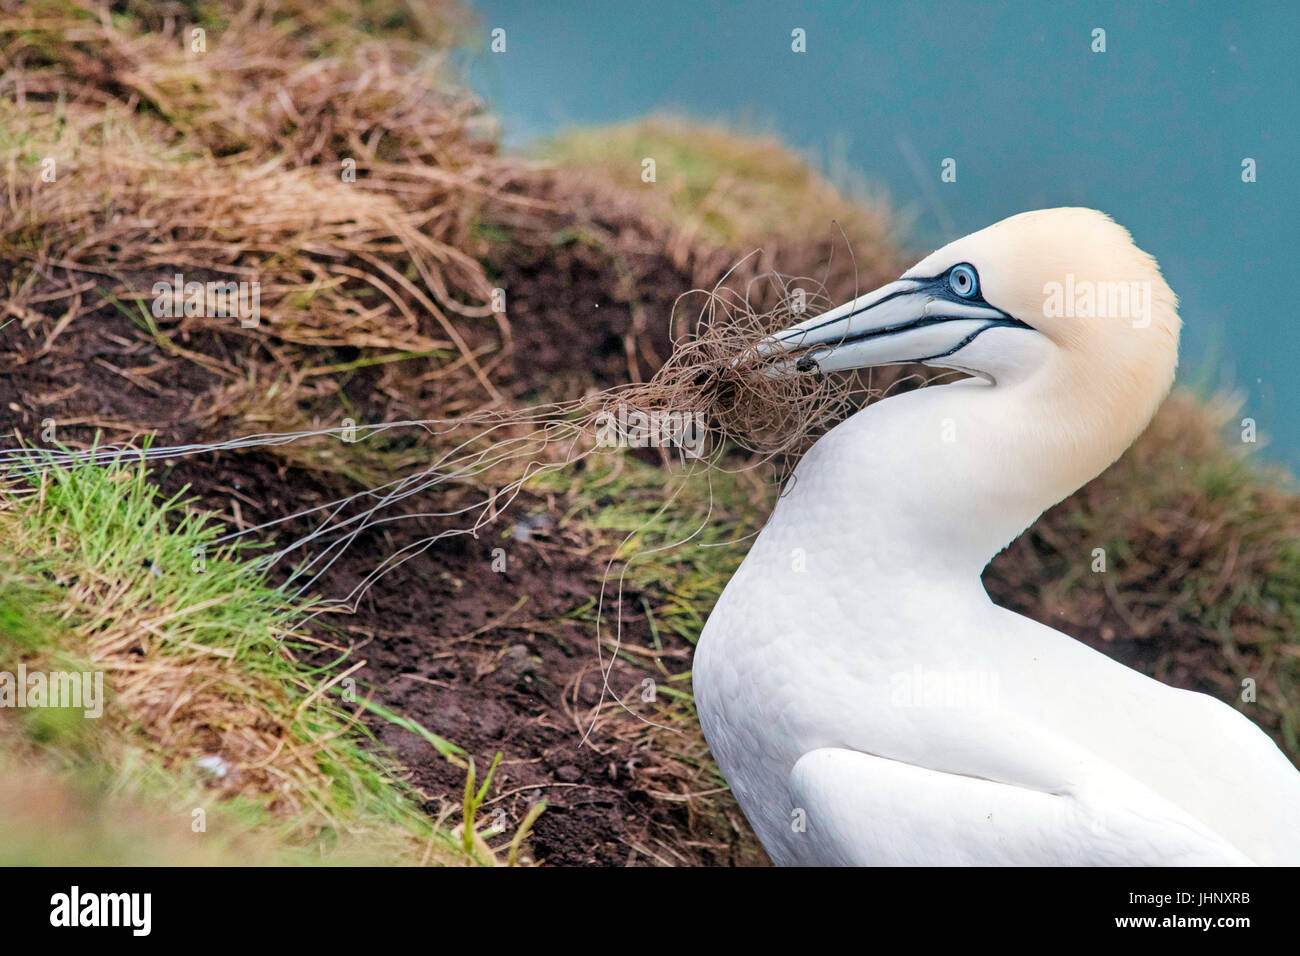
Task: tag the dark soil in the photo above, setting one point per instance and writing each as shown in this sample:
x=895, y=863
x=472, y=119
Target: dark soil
x=447, y=643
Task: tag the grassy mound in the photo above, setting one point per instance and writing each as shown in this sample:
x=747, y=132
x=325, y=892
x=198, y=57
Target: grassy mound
x=338, y=172
x=733, y=189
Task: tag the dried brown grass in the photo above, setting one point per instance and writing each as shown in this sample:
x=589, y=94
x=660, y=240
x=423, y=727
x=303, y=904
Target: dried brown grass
x=229, y=166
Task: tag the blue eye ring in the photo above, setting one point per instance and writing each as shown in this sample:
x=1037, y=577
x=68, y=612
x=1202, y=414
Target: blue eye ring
x=964, y=280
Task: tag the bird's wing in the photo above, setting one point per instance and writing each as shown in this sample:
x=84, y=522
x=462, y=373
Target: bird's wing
x=863, y=810
x=1196, y=752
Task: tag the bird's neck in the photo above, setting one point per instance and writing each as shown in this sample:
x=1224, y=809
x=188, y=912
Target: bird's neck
x=939, y=480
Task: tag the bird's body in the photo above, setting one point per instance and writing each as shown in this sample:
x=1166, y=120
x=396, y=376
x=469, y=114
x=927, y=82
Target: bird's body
x=868, y=704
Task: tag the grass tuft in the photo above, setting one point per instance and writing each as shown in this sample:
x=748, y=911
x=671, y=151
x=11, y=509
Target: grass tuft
x=204, y=663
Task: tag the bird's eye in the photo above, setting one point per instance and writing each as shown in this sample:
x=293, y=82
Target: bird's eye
x=963, y=280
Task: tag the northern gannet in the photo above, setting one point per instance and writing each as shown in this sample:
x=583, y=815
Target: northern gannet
x=865, y=700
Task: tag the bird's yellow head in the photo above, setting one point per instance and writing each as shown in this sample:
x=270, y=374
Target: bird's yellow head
x=1060, y=300
x=1075, y=276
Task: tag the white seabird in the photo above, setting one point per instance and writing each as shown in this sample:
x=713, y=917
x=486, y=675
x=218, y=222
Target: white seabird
x=864, y=698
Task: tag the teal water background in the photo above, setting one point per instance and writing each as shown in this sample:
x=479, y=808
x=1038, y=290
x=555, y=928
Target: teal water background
x=1153, y=131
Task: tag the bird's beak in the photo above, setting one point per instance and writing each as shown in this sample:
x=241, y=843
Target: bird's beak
x=911, y=320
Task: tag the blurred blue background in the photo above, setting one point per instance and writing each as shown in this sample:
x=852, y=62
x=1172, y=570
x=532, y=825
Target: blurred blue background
x=1153, y=131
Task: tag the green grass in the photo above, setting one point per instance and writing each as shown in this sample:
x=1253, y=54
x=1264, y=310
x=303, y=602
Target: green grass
x=200, y=655
x=682, y=552
x=730, y=187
